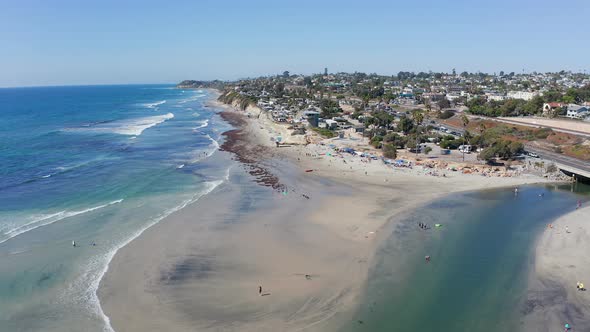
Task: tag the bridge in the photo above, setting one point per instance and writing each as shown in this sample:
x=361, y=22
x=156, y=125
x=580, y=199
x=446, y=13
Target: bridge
x=569, y=165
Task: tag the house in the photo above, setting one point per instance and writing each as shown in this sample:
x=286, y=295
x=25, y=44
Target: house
x=550, y=108
x=577, y=112
x=331, y=124
x=525, y=95
x=433, y=97
x=495, y=97
x=312, y=117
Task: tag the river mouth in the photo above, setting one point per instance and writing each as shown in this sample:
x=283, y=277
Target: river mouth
x=481, y=255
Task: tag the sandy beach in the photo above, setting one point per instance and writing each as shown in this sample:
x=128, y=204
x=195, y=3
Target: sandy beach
x=561, y=261
x=302, y=221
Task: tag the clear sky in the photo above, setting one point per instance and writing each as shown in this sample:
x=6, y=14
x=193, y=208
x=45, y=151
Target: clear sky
x=55, y=42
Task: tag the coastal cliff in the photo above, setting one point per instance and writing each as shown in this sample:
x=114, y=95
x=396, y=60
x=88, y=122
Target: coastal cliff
x=237, y=100
x=193, y=84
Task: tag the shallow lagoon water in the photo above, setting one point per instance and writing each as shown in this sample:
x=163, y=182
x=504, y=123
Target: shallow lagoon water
x=480, y=261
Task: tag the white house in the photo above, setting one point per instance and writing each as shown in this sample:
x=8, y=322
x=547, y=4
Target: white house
x=577, y=112
x=525, y=95
x=496, y=97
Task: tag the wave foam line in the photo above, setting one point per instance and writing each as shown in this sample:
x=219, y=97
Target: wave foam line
x=194, y=98
x=131, y=127
x=155, y=104
x=213, y=146
x=49, y=219
x=109, y=255
x=203, y=124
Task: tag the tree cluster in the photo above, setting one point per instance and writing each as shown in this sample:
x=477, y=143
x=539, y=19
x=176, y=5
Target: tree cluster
x=501, y=148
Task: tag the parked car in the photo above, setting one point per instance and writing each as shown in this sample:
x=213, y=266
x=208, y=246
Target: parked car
x=532, y=154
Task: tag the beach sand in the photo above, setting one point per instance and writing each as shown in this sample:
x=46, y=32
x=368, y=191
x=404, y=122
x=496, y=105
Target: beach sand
x=561, y=260
x=201, y=268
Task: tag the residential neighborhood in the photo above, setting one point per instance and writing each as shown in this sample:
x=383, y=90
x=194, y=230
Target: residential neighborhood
x=411, y=111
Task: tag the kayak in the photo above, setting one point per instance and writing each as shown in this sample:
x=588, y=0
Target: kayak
x=308, y=170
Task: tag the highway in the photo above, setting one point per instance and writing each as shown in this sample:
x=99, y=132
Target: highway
x=561, y=159
x=572, y=164
x=567, y=131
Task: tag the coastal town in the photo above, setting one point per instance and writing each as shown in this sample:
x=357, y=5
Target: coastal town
x=468, y=122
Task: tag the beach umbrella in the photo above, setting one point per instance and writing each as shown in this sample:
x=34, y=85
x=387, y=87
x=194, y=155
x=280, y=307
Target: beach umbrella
x=567, y=326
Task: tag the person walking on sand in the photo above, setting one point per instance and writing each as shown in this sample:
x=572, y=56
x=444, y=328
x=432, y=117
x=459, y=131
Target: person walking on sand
x=259, y=290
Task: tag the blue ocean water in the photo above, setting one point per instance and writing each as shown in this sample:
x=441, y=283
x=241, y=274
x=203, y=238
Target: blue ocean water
x=96, y=165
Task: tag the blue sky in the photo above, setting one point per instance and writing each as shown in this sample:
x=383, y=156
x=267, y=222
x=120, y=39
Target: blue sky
x=100, y=42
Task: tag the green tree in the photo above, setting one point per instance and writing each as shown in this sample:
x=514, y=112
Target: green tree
x=443, y=103
x=376, y=141
x=534, y=106
x=418, y=117
x=405, y=124
x=465, y=121
x=396, y=140
x=389, y=151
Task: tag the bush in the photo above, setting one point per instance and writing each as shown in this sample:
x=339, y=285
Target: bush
x=376, y=141
x=551, y=168
x=504, y=149
x=427, y=150
x=396, y=140
x=324, y=132
x=389, y=151
x=543, y=133
x=451, y=144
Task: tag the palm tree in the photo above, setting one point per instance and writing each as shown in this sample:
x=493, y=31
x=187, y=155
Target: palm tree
x=465, y=121
x=418, y=118
x=482, y=128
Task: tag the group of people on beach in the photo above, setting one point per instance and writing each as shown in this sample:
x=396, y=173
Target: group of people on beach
x=423, y=225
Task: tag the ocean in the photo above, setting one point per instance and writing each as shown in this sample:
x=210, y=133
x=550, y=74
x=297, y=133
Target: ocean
x=96, y=165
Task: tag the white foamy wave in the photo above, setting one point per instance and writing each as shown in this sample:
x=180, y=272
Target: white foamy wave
x=47, y=219
x=202, y=124
x=154, y=105
x=131, y=127
x=193, y=98
x=211, y=148
x=97, y=268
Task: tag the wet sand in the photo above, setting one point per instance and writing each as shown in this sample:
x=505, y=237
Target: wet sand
x=270, y=225
x=561, y=260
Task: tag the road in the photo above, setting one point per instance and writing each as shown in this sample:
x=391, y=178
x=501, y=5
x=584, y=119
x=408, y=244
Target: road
x=561, y=159
x=567, y=131
x=572, y=163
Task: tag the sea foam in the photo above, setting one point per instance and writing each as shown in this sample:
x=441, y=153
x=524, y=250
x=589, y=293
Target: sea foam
x=47, y=219
x=130, y=127
x=98, y=267
x=155, y=104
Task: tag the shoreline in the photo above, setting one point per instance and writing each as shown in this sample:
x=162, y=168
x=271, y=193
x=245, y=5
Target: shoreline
x=559, y=263
x=383, y=195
